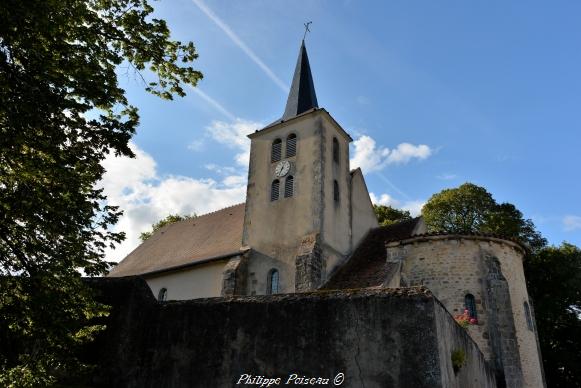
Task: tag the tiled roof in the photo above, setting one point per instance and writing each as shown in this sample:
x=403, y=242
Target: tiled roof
x=367, y=266
x=188, y=242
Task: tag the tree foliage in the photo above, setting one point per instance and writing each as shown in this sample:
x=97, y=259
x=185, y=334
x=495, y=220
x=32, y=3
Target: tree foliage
x=170, y=219
x=387, y=215
x=460, y=210
x=471, y=209
x=61, y=112
x=553, y=273
x=554, y=283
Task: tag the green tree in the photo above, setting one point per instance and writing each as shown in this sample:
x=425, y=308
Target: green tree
x=554, y=283
x=506, y=220
x=61, y=112
x=170, y=219
x=387, y=215
x=471, y=209
x=460, y=210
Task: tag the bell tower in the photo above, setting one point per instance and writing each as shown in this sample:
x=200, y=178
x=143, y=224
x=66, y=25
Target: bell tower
x=298, y=203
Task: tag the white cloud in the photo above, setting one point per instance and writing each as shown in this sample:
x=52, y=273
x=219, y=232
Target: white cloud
x=234, y=180
x=571, y=223
x=223, y=170
x=234, y=135
x=146, y=197
x=413, y=206
x=196, y=145
x=383, y=199
x=406, y=151
x=370, y=157
x=367, y=156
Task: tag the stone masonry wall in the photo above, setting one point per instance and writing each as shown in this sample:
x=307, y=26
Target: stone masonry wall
x=453, y=266
x=366, y=338
x=309, y=264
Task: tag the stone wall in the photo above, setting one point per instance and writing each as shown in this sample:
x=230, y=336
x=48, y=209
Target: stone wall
x=452, y=266
x=309, y=264
x=367, y=338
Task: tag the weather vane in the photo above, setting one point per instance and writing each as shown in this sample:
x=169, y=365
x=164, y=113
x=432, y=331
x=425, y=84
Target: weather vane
x=306, y=29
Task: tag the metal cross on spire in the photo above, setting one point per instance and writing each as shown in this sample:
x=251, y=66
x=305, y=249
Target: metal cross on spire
x=306, y=29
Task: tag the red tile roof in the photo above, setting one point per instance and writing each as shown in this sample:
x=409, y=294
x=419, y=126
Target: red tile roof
x=367, y=266
x=189, y=242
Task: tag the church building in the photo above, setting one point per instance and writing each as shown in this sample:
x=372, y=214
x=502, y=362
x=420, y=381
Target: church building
x=308, y=224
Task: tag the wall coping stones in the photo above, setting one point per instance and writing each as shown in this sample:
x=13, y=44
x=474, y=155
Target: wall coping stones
x=453, y=236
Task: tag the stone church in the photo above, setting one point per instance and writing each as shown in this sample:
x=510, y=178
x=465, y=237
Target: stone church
x=308, y=224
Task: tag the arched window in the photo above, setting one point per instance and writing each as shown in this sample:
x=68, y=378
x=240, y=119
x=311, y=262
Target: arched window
x=291, y=145
x=162, y=295
x=335, y=150
x=528, y=316
x=276, y=150
x=274, y=189
x=336, y=191
x=272, y=282
x=289, y=186
x=470, y=305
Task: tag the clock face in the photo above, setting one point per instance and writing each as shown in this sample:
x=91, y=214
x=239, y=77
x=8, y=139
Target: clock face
x=282, y=168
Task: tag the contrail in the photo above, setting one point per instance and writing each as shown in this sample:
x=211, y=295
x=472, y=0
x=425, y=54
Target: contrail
x=238, y=42
x=384, y=178
x=213, y=102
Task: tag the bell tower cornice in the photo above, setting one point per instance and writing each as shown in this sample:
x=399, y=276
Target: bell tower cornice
x=279, y=124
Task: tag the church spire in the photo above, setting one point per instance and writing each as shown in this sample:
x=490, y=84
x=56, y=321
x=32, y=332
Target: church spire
x=302, y=95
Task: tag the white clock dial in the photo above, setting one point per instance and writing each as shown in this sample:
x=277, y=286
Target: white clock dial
x=282, y=168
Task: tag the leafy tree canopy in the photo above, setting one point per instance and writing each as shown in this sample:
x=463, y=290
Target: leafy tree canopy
x=470, y=209
x=554, y=283
x=170, y=219
x=61, y=112
x=553, y=273
x=387, y=215
x=460, y=210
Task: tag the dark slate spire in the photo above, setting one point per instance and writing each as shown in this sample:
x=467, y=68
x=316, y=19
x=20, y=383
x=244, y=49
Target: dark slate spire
x=302, y=95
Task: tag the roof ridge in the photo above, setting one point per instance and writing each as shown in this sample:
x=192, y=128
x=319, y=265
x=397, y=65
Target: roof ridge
x=203, y=215
x=219, y=210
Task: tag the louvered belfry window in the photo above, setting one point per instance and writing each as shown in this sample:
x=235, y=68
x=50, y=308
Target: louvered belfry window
x=276, y=150
x=289, y=187
x=335, y=150
x=291, y=145
x=274, y=189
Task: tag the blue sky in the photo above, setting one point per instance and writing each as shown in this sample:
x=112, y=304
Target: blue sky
x=488, y=93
